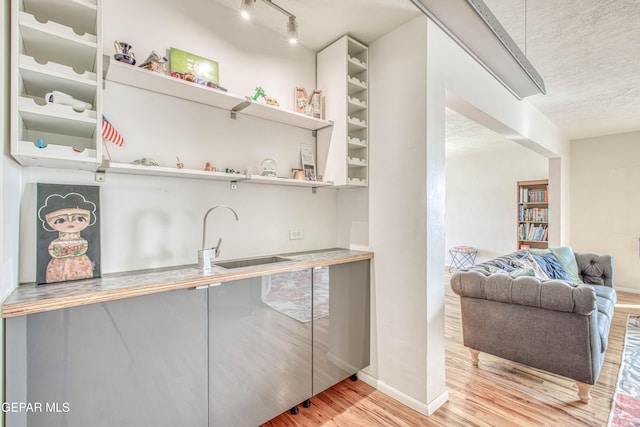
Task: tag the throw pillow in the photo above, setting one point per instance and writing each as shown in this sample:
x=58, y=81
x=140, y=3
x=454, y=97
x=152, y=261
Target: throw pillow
x=550, y=264
x=535, y=251
x=527, y=261
x=567, y=260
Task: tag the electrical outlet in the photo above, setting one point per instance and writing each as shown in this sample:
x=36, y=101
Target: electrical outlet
x=296, y=235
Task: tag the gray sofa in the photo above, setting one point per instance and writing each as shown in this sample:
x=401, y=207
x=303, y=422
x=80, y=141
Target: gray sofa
x=554, y=325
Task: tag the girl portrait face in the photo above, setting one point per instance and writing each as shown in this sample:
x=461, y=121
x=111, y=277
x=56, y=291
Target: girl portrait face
x=69, y=220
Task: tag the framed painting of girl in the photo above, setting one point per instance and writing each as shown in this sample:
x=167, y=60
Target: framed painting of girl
x=68, y=233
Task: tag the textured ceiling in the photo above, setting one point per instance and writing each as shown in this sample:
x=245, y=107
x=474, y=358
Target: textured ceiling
x=587, y=51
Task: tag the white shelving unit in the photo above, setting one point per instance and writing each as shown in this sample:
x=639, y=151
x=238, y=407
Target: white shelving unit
x=55, y=47
x=343, y=76
x=235, y=104
x=126, y=168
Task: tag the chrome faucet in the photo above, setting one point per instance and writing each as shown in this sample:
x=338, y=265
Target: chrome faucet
x=205, y=256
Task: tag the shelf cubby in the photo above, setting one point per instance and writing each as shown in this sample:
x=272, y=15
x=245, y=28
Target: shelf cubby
x=39, y=79
x=57, y=43
x=57, y=118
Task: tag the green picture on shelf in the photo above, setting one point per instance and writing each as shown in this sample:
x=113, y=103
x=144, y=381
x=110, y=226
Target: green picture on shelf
x=193, y=68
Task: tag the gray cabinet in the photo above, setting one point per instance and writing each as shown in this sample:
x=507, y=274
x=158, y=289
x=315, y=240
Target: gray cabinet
x=341, y=322
x=259, y=348
x=235, y=354
x=132, y=362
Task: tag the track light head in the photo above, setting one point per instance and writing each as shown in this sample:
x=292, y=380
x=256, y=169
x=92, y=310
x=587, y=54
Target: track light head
x=245, y=8
x=292, y=30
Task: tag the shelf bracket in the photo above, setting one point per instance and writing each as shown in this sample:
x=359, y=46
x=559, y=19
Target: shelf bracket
x=244, y=104
x=314, y=133
x=233, y=185
x=100, y=176
x=314, y=190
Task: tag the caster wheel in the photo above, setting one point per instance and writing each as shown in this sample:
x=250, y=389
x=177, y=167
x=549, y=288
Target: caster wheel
x=294, y=410
x=354, y=377
x=306, y=403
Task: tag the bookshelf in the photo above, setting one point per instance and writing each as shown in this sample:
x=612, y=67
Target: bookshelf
x=533, y=214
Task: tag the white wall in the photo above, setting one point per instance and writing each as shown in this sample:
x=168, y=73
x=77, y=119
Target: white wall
x=9, y=189
x=152, y=221
x=398, y=214
x=481, y=202
x=605, y=202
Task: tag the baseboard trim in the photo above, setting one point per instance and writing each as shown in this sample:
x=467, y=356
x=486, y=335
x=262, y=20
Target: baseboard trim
x=630, y=290
x=425, y=409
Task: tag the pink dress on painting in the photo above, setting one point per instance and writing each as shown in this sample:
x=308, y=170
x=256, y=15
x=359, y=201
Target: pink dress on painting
x=68, y=261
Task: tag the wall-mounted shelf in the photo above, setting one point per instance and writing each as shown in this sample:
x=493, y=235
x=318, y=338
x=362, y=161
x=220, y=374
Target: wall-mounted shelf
x=126, y=168
x=167, y=85
x=258, y=179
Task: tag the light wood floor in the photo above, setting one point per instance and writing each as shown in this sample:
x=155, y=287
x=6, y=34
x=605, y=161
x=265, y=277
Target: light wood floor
x=497, y=393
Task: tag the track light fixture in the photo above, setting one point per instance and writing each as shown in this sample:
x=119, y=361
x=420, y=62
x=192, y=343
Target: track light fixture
x=473, y=27
x=292, y=25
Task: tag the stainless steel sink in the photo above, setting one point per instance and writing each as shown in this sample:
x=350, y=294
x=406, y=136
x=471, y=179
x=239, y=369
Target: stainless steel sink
x=250, y=262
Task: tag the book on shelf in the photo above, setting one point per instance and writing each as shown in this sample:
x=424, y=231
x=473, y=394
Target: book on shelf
x=533, y=214
x=532, y=232
x=533, y=195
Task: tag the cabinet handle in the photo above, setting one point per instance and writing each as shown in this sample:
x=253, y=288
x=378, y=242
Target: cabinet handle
x=210, y=285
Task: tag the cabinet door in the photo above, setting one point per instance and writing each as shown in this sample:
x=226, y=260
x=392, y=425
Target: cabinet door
x=132, y=362
x=341, y=322
x=259, y=348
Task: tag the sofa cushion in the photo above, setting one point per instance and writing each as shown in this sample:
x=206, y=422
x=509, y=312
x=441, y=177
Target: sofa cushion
x=593, y=270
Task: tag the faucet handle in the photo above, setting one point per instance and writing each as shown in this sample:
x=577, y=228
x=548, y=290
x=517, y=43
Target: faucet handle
x=217, y=248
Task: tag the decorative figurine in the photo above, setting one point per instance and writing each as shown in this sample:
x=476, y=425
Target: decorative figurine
x=57, y=97
x=145, y=161
x=180, y=165
x=123, y=53
x=155, y=63
x=259, y=93
x=41, y=143
x=209, y=168
x=268, y=167
x=298, y=174
x=262, y=97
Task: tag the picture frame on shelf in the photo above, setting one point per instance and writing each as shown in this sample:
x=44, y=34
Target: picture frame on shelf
x=308, y=162
x=193, y=68
x=309, y=104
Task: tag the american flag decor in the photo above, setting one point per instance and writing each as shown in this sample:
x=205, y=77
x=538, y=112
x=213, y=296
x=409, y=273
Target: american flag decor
x=110, y=134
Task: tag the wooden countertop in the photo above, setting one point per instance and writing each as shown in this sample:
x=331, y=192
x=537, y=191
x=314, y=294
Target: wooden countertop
x=32, y=298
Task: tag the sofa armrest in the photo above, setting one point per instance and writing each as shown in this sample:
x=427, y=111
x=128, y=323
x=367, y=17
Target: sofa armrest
x=556, y=295
x=595, y=269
